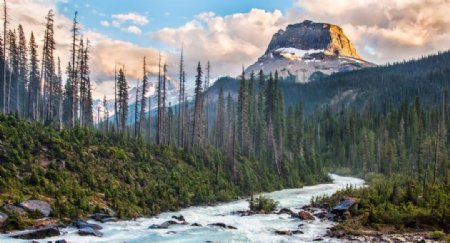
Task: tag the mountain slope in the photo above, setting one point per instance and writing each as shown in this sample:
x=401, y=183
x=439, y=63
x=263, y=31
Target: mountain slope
x=381, y=86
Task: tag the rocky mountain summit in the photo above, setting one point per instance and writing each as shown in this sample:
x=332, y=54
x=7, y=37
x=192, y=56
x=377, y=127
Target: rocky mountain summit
x=308, y=50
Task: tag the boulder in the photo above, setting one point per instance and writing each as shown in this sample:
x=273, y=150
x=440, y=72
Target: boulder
x=109, y=211
x=44, y=222
x=14, y=209
x=101, y=217
x=337, y=233
x=164, y=225
x=321, y=214
x=37, y=205
x=303, y=215
x=222, y=225
x=61, y=241
x=41, y=233
x=318, y=239
x=179, y=218
x=109, y=219
x=243, y=213
x=79, y=224
x=196, y=225
x=285, y=211
x=325, y=206
x=89, y=231
x=344, y=205
x=3, y=218
x=288, y=232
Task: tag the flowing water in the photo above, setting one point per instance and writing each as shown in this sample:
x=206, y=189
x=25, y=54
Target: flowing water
x=255, y=228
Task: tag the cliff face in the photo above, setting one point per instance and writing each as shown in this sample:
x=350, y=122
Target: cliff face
x=307, y=48
x=318, y=36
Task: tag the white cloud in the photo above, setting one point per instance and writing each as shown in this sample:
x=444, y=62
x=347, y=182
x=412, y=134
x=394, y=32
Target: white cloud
x=394, y=30
x=115, y=24
x=228, y=42
x=104, y=23
x=131, y=17
x=133, y=29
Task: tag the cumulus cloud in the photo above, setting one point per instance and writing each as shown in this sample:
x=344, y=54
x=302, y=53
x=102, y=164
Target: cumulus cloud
x=108, y=54
x=31, y=15
x=105, y=53
x=228, y=42
x=131, y=17
x=133, y=29
x=383, y=30
x=104, y=23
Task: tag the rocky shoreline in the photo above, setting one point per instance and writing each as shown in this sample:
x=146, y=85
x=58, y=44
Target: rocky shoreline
x=47, y=227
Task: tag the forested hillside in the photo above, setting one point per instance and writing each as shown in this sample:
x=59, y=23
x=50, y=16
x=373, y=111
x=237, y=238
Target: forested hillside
x=380, y=87
x=80, y=170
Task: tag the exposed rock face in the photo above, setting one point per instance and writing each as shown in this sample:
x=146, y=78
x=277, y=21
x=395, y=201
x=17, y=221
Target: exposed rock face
x=306, y=51
x=3, y=218
x=309, y=35
x=37, y=205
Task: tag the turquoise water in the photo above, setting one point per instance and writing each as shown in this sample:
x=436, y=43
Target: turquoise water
x=255, y=228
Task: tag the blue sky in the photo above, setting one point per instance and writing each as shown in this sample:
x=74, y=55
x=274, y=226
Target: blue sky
x=236, y=35
x=160, y=14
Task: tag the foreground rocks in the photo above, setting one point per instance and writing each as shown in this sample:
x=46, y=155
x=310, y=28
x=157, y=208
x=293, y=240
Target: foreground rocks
x=83, y=224
x=288, y=232
x=164, y=225
x=304, y=215
x=346, y=204
x=104, y=218
x=14, y=209
x=32, y=206
x=222, y=225
x=41, y=233
x=3, y=218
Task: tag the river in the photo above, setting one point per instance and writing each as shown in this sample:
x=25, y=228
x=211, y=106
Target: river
x=255, y=228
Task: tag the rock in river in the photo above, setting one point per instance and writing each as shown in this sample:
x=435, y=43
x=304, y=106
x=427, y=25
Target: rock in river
x=41, y=233
x=79, y=224
x=303, y=215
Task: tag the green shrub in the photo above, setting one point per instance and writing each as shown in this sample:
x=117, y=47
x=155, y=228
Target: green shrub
x=436, y=235
x=262, y=204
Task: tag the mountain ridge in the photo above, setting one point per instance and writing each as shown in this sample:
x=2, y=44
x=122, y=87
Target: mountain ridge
x=308, y=49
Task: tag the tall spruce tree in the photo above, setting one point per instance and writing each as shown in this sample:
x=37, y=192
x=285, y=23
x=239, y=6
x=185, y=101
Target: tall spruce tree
x=122, y=103
x=144, y=89
x=34, y=80
x=23, y=72
x=196, y=126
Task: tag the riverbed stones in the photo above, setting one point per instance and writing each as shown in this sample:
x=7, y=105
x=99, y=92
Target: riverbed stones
x=41, y=233
x=304, y=215
x=104, y=218
x=286, y=211
x=179, y=218
x=288, y=232
x=222, y=225
x=79, y=223
x=164, y=225
x=32, y=206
